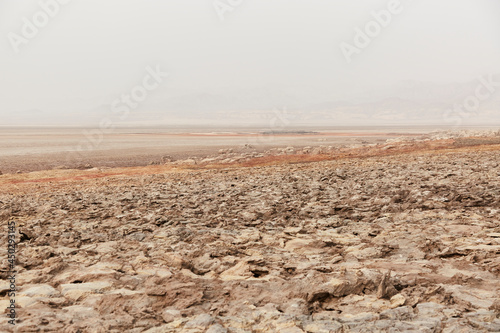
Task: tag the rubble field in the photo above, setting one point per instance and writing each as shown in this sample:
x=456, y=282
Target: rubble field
x=403, y=237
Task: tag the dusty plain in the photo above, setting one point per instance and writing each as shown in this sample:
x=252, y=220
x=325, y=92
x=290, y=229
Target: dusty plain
x=401, y=235
x=35, y=149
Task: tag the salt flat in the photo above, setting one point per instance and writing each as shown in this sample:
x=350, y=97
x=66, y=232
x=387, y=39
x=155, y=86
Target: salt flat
x=30, y=149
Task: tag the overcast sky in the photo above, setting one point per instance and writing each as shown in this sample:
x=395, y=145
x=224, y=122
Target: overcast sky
x=93, y=51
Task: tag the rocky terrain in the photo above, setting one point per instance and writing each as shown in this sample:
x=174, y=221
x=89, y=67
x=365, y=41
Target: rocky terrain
x=398, y=237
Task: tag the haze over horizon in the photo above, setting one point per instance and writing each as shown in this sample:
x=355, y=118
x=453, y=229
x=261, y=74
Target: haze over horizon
x=239, y=64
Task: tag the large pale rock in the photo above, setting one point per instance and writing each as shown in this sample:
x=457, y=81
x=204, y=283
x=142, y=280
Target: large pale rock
x=41, y=290
x=76, y=291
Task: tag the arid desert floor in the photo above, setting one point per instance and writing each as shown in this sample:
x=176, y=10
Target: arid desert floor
x=35, y=149
x=401, y=235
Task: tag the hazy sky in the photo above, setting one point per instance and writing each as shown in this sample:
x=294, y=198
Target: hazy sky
x=91, y=52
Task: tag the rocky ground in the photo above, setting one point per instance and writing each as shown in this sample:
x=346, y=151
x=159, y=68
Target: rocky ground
x=393, y=238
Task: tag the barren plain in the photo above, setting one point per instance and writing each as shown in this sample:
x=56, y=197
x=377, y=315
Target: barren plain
x=36, y=149
x=398, y=236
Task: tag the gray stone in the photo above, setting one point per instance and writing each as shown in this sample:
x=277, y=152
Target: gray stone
x=401, y=313
x=216, y=328
x=200, y=321
x=170, y=315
